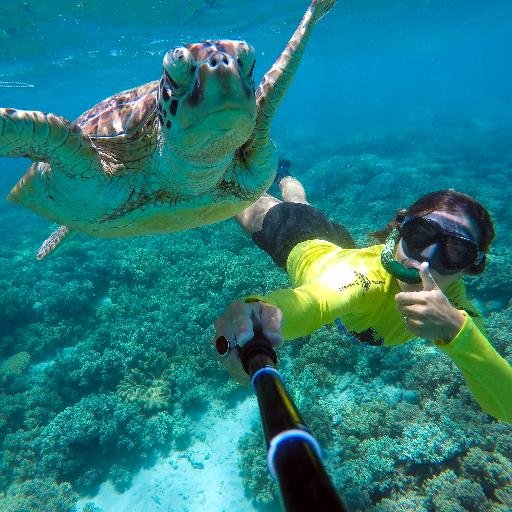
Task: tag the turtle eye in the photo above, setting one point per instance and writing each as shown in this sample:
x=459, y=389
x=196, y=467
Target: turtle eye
x=246, y=58
x=177, y=65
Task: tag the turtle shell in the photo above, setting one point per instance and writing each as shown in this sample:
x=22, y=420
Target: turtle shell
x=123, y=128
x=125, y=113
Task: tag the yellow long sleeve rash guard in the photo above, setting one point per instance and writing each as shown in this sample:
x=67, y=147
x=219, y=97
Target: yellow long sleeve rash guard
x=351, y=287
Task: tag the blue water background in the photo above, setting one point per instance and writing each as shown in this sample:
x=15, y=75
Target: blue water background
x=392, y=99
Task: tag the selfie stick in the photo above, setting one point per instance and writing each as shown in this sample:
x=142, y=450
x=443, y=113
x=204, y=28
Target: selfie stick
x=294, y=455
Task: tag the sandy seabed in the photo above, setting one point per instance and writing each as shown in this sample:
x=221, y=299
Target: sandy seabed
x=205, y=476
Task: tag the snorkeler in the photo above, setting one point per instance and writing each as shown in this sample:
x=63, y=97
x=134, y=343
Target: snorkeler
x=381, y=295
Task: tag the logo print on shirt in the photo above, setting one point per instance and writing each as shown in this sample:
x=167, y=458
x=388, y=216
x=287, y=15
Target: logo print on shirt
x=362, y=281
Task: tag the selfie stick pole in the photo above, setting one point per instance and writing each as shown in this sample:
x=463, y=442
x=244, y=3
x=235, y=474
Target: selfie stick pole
x=294, y=455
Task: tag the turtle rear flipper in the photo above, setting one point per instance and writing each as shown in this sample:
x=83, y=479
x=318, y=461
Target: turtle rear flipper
x=47, y=138
x=54, y=241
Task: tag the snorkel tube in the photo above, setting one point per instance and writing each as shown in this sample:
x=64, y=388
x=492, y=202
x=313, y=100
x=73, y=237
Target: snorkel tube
x=387, y=258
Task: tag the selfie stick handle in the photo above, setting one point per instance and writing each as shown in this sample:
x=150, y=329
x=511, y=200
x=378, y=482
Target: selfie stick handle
x=294, y=455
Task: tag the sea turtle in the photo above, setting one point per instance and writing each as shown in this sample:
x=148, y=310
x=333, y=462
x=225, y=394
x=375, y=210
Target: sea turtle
x=190, y=149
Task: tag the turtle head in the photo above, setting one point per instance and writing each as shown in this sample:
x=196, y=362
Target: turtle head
x=206, y=101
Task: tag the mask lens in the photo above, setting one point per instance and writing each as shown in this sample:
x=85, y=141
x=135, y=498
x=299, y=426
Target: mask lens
x=459, y=253
x=454, y=252
x=418, y=234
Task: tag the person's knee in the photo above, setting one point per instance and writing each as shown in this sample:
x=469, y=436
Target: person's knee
x=251, y=219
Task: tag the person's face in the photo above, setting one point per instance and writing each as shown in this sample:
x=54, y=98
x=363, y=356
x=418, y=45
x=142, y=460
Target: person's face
x=442, y=280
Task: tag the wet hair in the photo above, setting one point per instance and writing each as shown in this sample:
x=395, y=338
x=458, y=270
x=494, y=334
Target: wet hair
x=448, y=201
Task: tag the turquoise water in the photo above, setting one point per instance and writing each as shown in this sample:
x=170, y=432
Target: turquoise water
x=110, y=392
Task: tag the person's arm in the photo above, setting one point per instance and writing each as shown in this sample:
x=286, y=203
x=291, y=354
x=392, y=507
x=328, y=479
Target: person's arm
x=307, y=308
x=487, y=374
x=429, y=314
x=283, y=314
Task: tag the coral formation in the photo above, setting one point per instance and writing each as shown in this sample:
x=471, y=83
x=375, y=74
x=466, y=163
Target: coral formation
x=38, y=494
x=151, y=386
x=15, y=364
x=111, y=384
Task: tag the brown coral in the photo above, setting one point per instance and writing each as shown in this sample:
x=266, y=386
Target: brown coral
x=150, y=386
x=16, y=364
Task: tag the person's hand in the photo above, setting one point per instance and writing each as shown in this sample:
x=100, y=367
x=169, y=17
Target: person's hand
x=428, y=313
x=237, y=325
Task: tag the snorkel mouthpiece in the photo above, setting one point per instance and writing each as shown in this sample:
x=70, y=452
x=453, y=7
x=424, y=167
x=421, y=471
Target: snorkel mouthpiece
x=401, y=272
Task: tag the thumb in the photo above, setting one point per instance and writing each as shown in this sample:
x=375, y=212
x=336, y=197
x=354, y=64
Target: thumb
x=426, y=278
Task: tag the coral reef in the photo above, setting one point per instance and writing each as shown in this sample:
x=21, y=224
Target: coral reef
x=38, y=494
x=106, y=358
x=15, y=364
x=259, y=485
x=151, y=386
x=381, y=448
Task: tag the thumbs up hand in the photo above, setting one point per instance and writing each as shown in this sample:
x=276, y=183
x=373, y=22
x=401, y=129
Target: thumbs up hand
x=428, y=313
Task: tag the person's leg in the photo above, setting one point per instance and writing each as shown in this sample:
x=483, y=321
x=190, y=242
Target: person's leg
x=251, y=219
x=278, y=226
x=292, y=190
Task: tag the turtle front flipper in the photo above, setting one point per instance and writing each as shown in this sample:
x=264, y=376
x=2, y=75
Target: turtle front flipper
x=47, y=138
x=259, y=154
x=259, y=150
x=54, y=241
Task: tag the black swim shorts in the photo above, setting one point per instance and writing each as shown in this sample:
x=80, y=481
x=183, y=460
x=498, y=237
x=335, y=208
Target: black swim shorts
x=287, y=224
